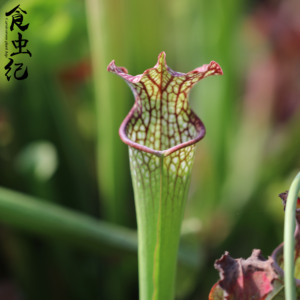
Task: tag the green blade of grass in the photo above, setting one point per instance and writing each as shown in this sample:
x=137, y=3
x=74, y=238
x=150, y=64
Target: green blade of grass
x=48, y=220
x=103, y=24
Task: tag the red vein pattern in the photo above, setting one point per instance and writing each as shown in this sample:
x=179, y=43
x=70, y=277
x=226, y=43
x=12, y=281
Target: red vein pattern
x=161, y=120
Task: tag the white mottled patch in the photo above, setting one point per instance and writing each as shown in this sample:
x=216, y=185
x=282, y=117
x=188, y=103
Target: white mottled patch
x=175, y=160
x=133, y=136
x=173, y=168
x=141, y=135
x=183, y=165
x=172, y=118
x=152, y=166
x=172, y=142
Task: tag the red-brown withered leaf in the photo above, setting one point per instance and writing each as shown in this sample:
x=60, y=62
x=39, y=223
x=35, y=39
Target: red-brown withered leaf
x=244, y=279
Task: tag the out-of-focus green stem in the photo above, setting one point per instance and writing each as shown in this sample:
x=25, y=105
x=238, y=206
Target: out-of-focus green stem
x=44, y=219
x=104, y=21
x=289, y=241
x=98, y=39
x=49, y=220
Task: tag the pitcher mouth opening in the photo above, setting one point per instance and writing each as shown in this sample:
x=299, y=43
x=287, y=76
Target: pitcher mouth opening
x=201, y=131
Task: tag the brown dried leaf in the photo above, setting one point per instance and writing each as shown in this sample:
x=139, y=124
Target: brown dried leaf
x=244, y=279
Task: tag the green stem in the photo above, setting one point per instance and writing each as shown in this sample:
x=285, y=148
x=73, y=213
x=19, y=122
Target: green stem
x=52, y=221
x=103, y=23
x=160, y=196
x=48, y=220
x=289, y=241
x=98, y=39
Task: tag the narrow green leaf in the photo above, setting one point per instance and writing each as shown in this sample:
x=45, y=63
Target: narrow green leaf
x=289, y=241
x=48, y=220
x=112, y=179
x=287, y=255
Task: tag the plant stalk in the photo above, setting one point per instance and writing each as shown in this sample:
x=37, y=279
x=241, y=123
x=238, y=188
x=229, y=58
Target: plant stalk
x=289, y=240
x=160, y=196
x=48, y=220
x=161, y=131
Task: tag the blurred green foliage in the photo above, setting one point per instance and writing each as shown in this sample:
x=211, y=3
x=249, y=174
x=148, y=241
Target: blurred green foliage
x=59, y=134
